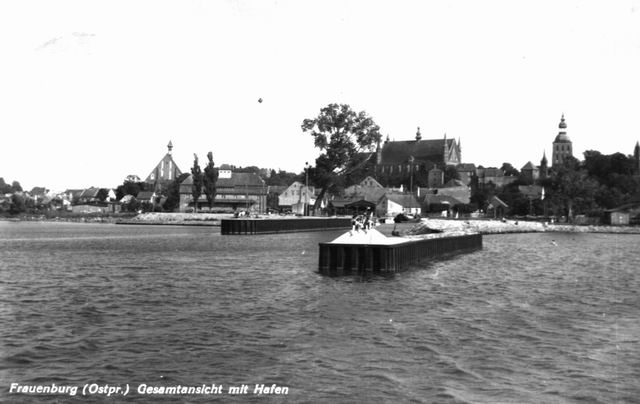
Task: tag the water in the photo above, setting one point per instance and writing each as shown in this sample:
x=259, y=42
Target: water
x=525, y=320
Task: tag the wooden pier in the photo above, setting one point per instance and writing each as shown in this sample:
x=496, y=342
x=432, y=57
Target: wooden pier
x=339, y=258
x=269, y=226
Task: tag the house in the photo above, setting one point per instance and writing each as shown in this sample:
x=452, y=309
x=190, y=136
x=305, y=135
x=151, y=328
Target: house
x=233, y=191
x=497, y=207
x=432, y=203
x=456, y=189
x=392, y=204
x=365, y=185
x=72, y=195
x=624, y=215
x=295, y=197
x=89, y=195
x=145, y=196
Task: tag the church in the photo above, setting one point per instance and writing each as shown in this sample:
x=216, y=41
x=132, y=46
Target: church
x=416, y=162
x=165, y=171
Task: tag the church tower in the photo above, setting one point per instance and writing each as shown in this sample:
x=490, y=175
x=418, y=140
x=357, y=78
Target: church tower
x=544, y=166
x=562, y=146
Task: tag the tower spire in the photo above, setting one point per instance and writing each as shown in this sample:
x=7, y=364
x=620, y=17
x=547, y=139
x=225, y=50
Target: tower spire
x=169, y=147
x=418, y=135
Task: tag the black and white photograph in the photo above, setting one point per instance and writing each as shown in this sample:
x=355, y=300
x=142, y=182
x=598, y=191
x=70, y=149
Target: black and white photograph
x=356, y=201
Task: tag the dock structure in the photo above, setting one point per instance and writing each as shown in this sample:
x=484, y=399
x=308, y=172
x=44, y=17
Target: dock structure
x=389, y=254
x=285, y=225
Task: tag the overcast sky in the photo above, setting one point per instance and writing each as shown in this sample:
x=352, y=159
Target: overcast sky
x=92, y=91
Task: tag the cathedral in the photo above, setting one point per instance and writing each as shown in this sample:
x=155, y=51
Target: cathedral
x=405, y=161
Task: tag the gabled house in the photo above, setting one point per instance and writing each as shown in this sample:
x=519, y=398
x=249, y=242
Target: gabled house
x=624, y=215
x=497, y=207
x=89, y=195
x=392, y=204
x=296, y=196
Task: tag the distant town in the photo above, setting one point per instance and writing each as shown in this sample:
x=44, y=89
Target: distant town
x=413, y=177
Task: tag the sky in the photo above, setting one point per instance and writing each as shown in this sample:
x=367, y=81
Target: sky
x=92, y=91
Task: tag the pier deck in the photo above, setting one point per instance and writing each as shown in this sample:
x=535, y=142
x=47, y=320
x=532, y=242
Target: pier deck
x=389, y=254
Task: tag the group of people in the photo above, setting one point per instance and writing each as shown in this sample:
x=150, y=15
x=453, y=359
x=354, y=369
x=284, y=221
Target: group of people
x=364, y=221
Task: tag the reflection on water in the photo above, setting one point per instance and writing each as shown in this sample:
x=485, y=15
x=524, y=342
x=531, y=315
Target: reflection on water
x=524, y=320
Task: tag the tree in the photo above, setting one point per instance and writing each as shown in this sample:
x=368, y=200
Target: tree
x=102, y=194
x=342, y=135
x=450, y=173
x=4, y=187
x=16, y=186
x=196, y=189
x=130, y=188
x=18, y=203
x=210, y=179
x=172, y=192
x=509, y=170
x=572, y=188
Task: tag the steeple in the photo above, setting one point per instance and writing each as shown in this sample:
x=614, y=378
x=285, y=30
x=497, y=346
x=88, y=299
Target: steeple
x=169, y=147
x=418, y=135
x=544, y=165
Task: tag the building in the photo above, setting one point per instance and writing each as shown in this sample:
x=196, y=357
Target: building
x=562, y=146
x=497, y=207
x=392, y=204
x=244, y=191
x=495, y=176
x=365, y=186
x=624, y=215
x=456, y=189
x=530, y=172
x=466, y=171
x=165, y=171
x=409, y=161
x=296, y=197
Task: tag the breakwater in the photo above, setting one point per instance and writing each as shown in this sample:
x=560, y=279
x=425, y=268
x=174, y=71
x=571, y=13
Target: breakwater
x=268, y=226
x=390, y=254
x=427, y=226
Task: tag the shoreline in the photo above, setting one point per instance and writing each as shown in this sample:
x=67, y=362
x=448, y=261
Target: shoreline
x=420, y=229
x=487, y=227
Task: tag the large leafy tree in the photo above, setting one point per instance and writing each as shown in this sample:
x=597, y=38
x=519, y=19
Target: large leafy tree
x=343, y=136
x=210, y=178
x=572, y=189
x=196, y=188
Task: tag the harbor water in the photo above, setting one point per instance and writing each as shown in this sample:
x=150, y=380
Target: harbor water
x=531, y=318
